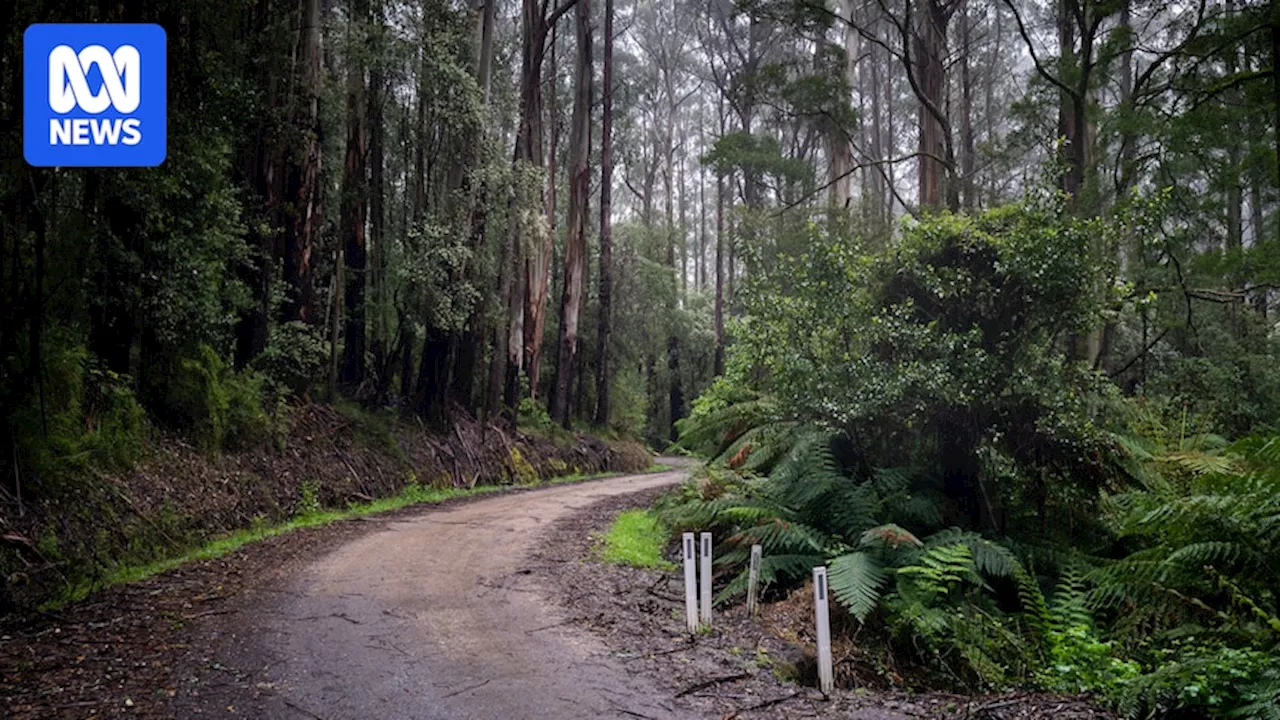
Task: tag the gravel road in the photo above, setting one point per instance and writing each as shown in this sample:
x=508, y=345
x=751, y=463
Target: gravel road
x=439, y=616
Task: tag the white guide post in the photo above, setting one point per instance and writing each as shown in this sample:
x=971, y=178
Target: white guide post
x=690, y=584
x=753, y=581
x=826, y=678
x=706, y=579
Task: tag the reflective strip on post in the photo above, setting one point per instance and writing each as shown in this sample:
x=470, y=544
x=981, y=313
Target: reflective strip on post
x=706, y=579
x=690, y=583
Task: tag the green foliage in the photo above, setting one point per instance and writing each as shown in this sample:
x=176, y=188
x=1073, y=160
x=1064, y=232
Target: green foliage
x=1078, y=660
x=88, y=418
x=636, y=538
x=1213, y=681
x=295, y=357
x=1195, y=600
x=756, y=155
x=221, y=407
x=309, y=498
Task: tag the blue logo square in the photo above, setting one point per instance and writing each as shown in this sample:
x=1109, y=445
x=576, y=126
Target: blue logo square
x=94, y=95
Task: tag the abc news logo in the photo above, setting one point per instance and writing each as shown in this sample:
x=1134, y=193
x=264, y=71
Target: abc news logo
x=94, y=95
x=69, y=89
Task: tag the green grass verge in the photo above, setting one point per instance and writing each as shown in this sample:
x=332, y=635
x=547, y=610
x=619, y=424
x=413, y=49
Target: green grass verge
x=413, y=494
x=636, y=538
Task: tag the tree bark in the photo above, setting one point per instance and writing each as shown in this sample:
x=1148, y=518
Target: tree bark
x=377, y=208
x=303, y=174
x=504, y=370
x=604, y=328
x=575, y=252
x=719, y=307
x=353, y=205
x=538, y=265
x=467, y=349
x=930, y=52
x=968, y=152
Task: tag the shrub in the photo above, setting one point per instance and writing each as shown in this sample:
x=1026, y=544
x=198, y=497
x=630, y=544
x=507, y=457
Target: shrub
x=294, y=358
x=90, y=418
x=220, y=407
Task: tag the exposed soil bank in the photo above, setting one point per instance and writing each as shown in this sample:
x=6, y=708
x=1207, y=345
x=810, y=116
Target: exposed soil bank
x=178, y=497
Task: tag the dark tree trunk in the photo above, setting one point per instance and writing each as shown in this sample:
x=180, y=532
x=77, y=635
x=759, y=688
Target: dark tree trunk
x=353, y=211
x=604, y=326
x=377, y=213
x=112, y=323
x=466, y=347
x=303, y=176
x=929, y=56
x=264, y=177
x=719, y=311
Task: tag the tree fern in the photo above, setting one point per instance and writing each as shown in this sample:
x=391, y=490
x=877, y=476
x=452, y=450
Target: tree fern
x=857, y=580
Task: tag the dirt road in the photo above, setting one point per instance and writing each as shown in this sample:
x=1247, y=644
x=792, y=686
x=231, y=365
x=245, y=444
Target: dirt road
x=438, y=616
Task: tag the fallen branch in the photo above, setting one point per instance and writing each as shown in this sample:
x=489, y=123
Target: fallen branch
x=654, y=654
x=713, y=681
x=762, y=705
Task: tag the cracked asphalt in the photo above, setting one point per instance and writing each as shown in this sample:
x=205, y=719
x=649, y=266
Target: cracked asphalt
x=439, y=616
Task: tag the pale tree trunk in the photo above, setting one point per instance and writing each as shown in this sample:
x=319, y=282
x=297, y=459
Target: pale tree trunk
x=504, y=370
x=840, y=164
x=968, y=153
x=1235, y=185
x=604, y=328
x=683, y=231
x=890, y=113
x=719, y=304
x=989, y=92
x=870, y=86
x=353, y=208
x=538, y=266
x=1256, y=220
x=575, y=252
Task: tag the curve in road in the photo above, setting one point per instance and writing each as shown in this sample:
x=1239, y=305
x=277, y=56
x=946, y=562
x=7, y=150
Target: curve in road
x=439, y=617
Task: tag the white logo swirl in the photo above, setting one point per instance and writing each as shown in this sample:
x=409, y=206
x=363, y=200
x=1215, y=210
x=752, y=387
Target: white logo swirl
x=121, y=79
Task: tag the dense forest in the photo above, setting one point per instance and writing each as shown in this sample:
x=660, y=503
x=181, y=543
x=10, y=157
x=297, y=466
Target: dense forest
x=974, y=299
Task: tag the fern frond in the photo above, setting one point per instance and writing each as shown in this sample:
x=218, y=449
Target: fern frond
x=889, y=535
x=990, y=558
x=857, y=580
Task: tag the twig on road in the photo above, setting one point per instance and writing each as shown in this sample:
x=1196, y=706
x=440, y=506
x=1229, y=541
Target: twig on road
x=761, y=705
x=713, y=681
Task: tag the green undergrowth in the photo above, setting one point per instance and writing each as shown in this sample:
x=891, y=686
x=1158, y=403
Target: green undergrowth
x=636, y=538
x=413, y=494
x=579, y=477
